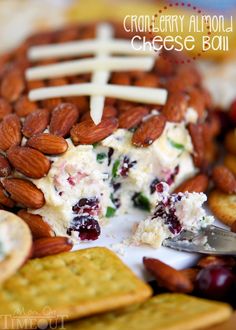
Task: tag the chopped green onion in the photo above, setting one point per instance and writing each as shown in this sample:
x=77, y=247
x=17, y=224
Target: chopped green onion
x=176, y=144
x=95, y=144
x=141, y=201
x=115, y=168
x=101, y=157
x=110, y=212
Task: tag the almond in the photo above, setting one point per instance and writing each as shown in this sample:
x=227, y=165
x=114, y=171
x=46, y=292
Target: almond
x=198, y=183
x=10, y=132
x=48, y=143
x=81, y=102
x=149, y=131
x=12, y=85
x=63, y=118
x=108, y=111
x=36, y=122
x=39, y=228
x=196, y=134
x=33, y=84
x=224, y=179
x=147, y=80
x=5, y=108
x=197, y=101
x=87, y=132
x=51, y=245
x=168, y=277
x=121, y=78
x=209, y=261
x=50, y=104
x=132, y=117
x=5, y=199
x=24, y=106
x=28, y=161
x=175, y=108
x=24, y=192
x=5, y=168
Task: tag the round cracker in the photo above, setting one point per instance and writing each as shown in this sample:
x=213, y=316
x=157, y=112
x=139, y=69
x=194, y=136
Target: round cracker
x=230, y=162
x=230, y=142
x=223, y=206
x=17, y=237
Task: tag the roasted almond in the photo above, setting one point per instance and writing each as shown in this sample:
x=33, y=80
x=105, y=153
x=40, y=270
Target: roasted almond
x=5, y=108
x=149, y=131
x=196, y=134
x=10, y=132
x=5, y=199
x=121, y=78
x=48, y=143
x=147, y=80
x=28, y=161
x=5, y=168
x=108, y=111
x=12, y=85
x=24, y=106
x=209, y=261
x=224, y=179
x=176, y=106
x=81, y=102
x=198, y=183
x=132, y=117
x=168, y=277
x=33, y=84
x=39, y=228
x=50, y=104
x=86, y=132
x=36, y=122
x=63, y=118
x=24, y=192
x=43, y=247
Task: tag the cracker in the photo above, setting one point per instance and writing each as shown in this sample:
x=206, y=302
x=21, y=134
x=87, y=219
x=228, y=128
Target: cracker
x=230, y=162
x=162, y=312
x=223, y=206
x=68, y=286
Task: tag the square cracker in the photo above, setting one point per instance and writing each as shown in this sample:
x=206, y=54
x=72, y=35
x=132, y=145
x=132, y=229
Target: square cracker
x=162, y=312
x=68, y=286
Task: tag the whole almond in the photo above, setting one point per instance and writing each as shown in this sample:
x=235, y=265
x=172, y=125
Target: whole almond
x=175, y=108
x=87, y=132
x=5, y=199
x=121, y=78
x=36, y=122
x=28, y=161
x=51, y=245
x=224, y=179
x=33, y=84
x=48, y=143
x=108, y=111
x=10, y=132
x=196, y=133
x=39, y=228
x=24, y=106
x=149, y=131
x=24, y=192
x=64, y=116
x=168, y=277
x=132, y=117
x=5, y=168
x=198, y=183
x=50, y=104
x=5, y=108
x=209, y=261
x=147, y=80
x=12, y=85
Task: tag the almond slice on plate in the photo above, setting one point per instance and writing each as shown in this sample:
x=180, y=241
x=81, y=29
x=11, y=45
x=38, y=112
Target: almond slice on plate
x=15, y=244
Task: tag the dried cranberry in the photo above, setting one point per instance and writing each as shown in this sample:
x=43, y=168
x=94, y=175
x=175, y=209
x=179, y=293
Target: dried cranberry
x=160, y=187
x=125, y=167
x=87, y=227
x=110, y=153
x=153, y=185
x=116, y=185
x=71, y=181
x=171, y=179
x=87, y=205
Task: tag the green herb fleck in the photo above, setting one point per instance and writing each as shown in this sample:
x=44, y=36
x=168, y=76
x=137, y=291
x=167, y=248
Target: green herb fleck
x=115, y=168
x=95, y=144
x=110, y=212
x=141, y=201
x=101, y=157
x=176, y=144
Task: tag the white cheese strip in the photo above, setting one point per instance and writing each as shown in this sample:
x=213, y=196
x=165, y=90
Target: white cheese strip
x=69, y=68
x=130, y=93
x=104, y=32
x=86, y=47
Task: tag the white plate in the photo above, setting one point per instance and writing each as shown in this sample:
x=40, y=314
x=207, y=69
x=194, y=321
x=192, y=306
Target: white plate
x=119, y=229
